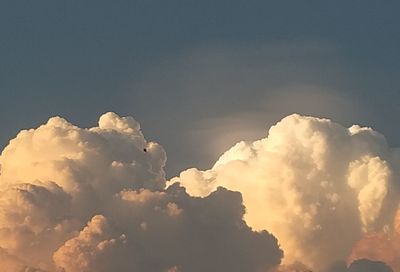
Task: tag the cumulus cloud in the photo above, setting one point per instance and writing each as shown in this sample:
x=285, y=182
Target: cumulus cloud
x=365, y=265
x=317, y=186
x=161, y=231
x=362, y=265
x=96, y=200
x=11, y=263
x=380, y=245
x=74, y=199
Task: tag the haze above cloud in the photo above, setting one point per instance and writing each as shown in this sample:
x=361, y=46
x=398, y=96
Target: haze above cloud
x=200, y=76
x=182, y=67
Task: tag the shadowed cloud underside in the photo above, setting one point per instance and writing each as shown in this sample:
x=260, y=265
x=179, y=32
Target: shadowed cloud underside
x=315, y=195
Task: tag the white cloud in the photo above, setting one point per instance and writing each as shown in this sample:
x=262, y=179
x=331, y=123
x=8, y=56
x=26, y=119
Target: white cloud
x=317, y=186
x=94, y=200
x=86, y=200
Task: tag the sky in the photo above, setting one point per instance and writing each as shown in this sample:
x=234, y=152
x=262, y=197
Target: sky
x=190, y=71
x=176, y=136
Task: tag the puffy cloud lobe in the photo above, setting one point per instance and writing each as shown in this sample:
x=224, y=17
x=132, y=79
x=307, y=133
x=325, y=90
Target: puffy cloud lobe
x=56, y=177
x=317, y=186
x=362, y=265
x=34, y=220
x=94, y=249
x=368, y=266
x=161, y=231
x=75, y=199
x=106, y=158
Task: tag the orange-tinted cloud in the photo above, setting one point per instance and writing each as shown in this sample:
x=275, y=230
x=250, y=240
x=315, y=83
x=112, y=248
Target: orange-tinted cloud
x=94, y=200
x=380, y=246
x=316, y=185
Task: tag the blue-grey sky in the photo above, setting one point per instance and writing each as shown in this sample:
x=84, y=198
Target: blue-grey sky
x=199, y=75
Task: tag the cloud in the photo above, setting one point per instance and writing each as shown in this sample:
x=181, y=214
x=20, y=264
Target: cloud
x=380, y=245
x=74, y=199
x=157, y=231
x=363, y=265
x=317, y=186
x=11, y=263
x=96, y=199
x=368, y=266
x=359, y=265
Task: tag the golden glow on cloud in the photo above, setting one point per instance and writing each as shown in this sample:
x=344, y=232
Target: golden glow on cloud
x=317, y=186
x=96, y=200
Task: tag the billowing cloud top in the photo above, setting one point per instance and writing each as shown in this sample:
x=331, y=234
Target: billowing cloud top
x=317, y=186
x=92, y=200
x=96, y=200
